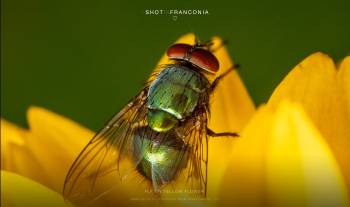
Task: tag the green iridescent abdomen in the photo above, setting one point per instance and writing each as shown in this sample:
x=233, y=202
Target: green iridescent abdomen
x=159, y=156
x=173, y=96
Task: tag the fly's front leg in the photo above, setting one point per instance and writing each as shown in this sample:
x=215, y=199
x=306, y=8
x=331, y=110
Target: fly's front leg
x=221, y=134
x=217, y=79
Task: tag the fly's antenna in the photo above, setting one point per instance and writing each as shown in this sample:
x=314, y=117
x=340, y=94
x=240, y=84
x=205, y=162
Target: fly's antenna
x=196, y=41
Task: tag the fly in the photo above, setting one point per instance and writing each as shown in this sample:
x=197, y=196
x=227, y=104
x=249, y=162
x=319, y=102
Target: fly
x=162, y=131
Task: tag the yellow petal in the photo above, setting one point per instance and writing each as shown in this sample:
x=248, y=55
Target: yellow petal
x=282, y=160
x=16, y=156
x=47, y=149
x=18, y=191
x=343, y=78
x=323, y=93
x=56, y=141
x=11, y=137
x=340, y=141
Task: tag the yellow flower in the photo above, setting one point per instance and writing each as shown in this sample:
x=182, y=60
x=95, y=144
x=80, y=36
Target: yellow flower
x=45, y=152
x=292, y=152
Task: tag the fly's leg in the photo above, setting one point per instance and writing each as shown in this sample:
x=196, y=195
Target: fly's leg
x=221, y=134
x=217, y=79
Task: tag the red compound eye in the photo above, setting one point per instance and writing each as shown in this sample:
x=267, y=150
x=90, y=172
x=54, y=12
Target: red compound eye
x=178, y=51
x=205, y=60
x=197, y=56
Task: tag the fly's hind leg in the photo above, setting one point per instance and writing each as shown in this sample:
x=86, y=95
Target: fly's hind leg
x=221, y=134
x=217, y=79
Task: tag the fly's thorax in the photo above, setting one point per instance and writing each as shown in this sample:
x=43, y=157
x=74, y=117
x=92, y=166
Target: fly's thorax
x=177, y=90
x=159, y=156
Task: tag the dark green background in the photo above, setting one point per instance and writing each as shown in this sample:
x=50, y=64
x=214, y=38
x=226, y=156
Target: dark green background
x=85, y=59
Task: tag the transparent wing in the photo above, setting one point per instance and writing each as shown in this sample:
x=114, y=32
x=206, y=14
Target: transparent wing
x=194, y=134
x=198, y=162
x=107, y=151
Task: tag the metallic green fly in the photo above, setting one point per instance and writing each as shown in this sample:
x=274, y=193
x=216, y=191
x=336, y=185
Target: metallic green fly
x=162, y=132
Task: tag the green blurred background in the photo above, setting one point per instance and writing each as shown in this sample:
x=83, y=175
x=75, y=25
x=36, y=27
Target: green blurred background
x=86, y=59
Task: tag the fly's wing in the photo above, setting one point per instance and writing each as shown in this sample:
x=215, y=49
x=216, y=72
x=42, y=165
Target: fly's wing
x=195, y=150
x=198, y=159
x=107, y=151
